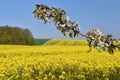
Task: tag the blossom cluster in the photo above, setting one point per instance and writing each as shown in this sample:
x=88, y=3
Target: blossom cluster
x=59, y=17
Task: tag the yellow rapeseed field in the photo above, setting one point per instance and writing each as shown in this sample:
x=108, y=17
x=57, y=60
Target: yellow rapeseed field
x=66, y=42
x=57, y=63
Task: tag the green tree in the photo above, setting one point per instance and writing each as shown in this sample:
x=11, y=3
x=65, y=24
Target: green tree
x=16, y=35
x=29, y=40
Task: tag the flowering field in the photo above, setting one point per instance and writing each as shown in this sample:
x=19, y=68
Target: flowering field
x=57, y=63
x=66, y=42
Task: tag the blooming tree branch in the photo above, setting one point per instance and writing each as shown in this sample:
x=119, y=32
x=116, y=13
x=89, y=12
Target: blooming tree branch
x=63, y=23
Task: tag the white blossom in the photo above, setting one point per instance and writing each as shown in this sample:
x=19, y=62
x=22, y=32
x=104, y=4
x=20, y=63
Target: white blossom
x=67, y=18
x=62, y=25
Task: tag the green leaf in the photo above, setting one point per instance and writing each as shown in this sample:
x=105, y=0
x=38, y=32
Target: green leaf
x=71, y=34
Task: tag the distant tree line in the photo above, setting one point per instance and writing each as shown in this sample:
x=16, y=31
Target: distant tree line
x=16, y=35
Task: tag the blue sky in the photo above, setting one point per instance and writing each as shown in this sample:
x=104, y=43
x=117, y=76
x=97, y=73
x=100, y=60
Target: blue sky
x=104, y=14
